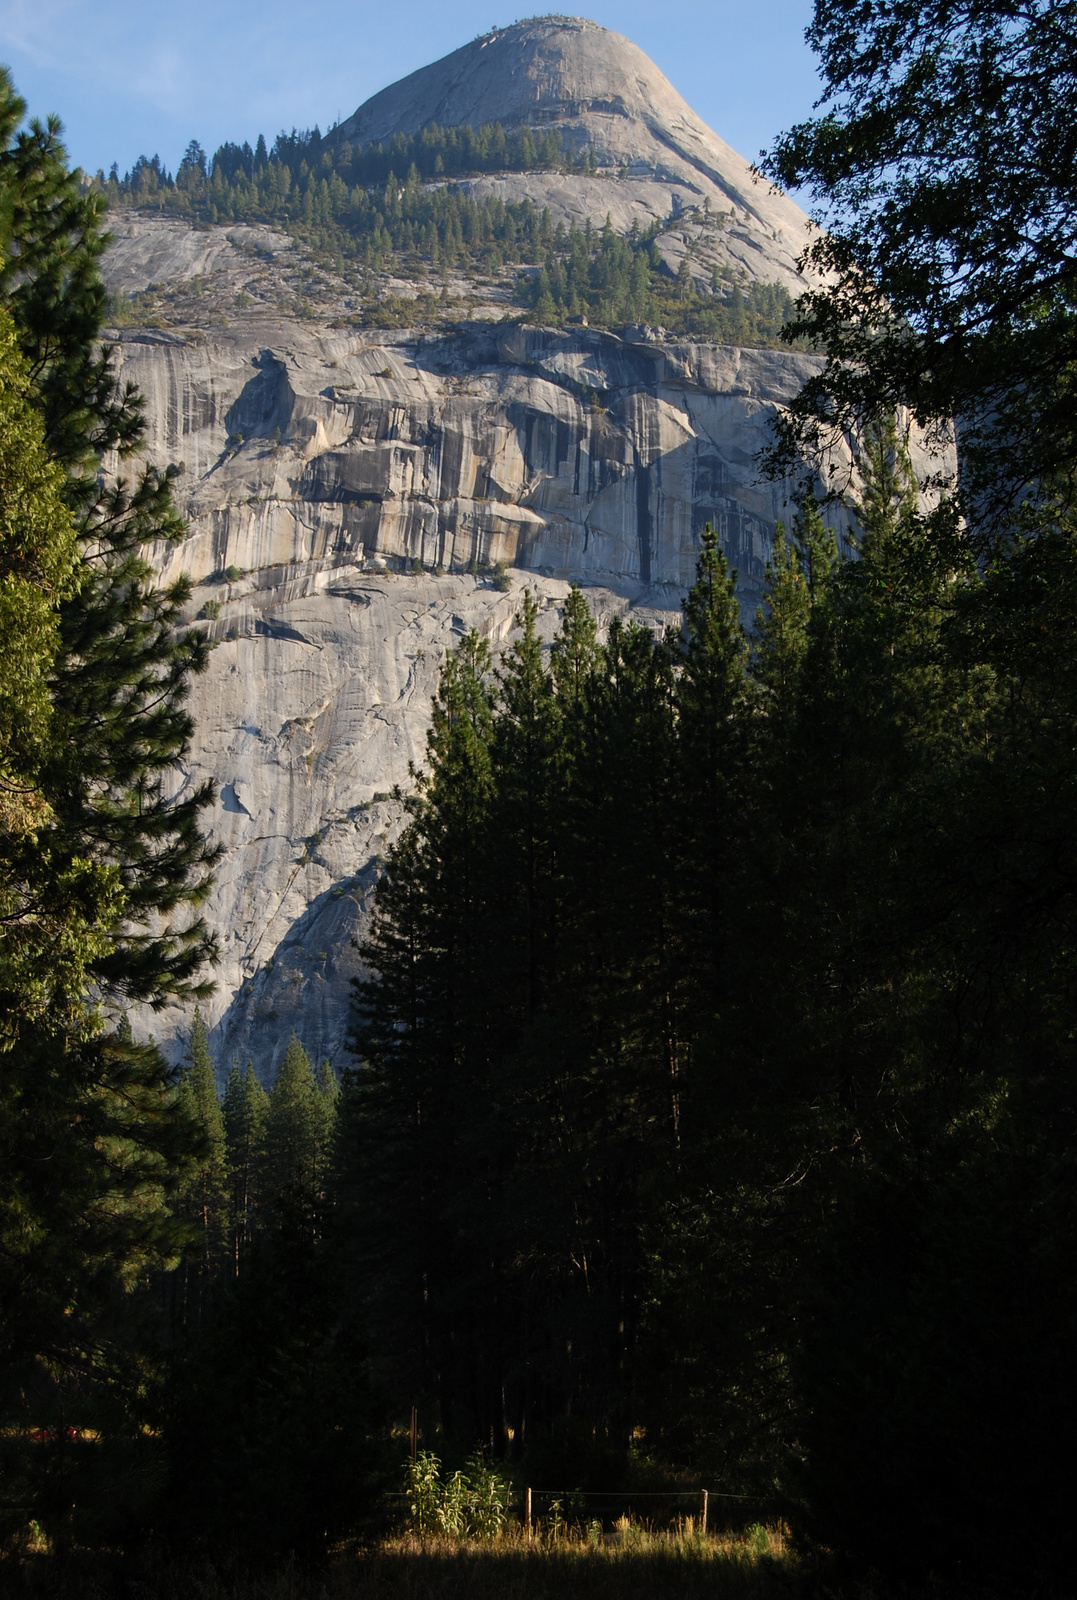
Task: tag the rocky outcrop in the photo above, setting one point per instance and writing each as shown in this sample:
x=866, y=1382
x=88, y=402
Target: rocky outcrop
x=316, y=701
x=147, y=250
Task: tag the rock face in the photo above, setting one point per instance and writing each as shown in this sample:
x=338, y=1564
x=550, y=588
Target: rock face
x=583, y=455
x=147, y=250
x=338, y=483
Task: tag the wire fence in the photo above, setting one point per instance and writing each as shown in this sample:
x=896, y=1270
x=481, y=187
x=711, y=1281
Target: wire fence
x=712, y=1509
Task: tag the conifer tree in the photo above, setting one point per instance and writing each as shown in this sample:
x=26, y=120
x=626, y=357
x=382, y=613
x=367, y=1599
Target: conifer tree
x=245, y=1108
x=328, y=1094
x=206, y=1194
x=621, y=792
x=55, y=922
x=784, y=651
x=902, y=1036
x=524, y=759
x=796, y=577
x=421, y=1027
x=120, y=675
x=92, y=847
x=282, y=1355
x=711, y=708
x=574, y=653
x=326, y=1116
x=299, y=1127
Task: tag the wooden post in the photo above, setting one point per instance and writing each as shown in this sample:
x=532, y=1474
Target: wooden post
x=527, y=1513
x=414, y=1434
x=703, y=1509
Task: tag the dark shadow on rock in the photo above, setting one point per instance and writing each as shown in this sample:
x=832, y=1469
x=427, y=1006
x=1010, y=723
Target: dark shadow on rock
x=263, y=408
x=306, y=986
x=231, y=801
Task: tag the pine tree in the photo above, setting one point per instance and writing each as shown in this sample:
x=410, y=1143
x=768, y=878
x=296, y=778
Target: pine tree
x=712, y=706
x=92, y=849
x=515, y=1098
x=121, y=672
x=915, y=1022
x=598, y=1108
x=85, y=1122
x=524, y=760
x=56, y=923
x=291, y=1166
x=93, y=1153
x=326, y=1115
x=422, y=1025
x=796, y=597
x=574, y=653
x=795, y=577
x=206, y=1195
x=245, y=1107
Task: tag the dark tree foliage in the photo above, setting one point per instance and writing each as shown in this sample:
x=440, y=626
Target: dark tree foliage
x=941, y=1309
x=121, y=677
x=93, y=1155
x=101, y=871
x=943, y=162
x=266, y=1414
x=715, y=1086
x=270, y=1429
x=530, y=953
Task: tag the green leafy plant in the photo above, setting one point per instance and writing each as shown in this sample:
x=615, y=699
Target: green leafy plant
x=758, y=1539
x=471, y=1504
x=487, y=1499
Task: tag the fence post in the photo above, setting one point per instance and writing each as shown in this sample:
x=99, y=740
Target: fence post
x=414, y=1434
x=527, y=1513
x=703, y=1509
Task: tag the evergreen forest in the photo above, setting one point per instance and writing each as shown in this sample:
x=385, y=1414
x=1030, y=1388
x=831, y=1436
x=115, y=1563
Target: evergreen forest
x=396, y=207
x=709, y=1116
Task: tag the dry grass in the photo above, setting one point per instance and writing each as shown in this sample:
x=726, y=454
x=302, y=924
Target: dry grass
x=631, y=1563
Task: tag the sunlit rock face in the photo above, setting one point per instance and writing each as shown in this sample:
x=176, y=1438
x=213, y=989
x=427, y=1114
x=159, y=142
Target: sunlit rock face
x=338, y=483
x=583, y=455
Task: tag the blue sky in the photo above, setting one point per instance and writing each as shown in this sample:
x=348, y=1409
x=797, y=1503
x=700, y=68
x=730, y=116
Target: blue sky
x=132, y=76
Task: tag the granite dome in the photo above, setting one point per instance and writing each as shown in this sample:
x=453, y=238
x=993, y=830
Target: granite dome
x=596, y=89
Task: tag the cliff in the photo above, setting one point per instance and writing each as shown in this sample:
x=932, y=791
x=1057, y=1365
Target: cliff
x=339, y=481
